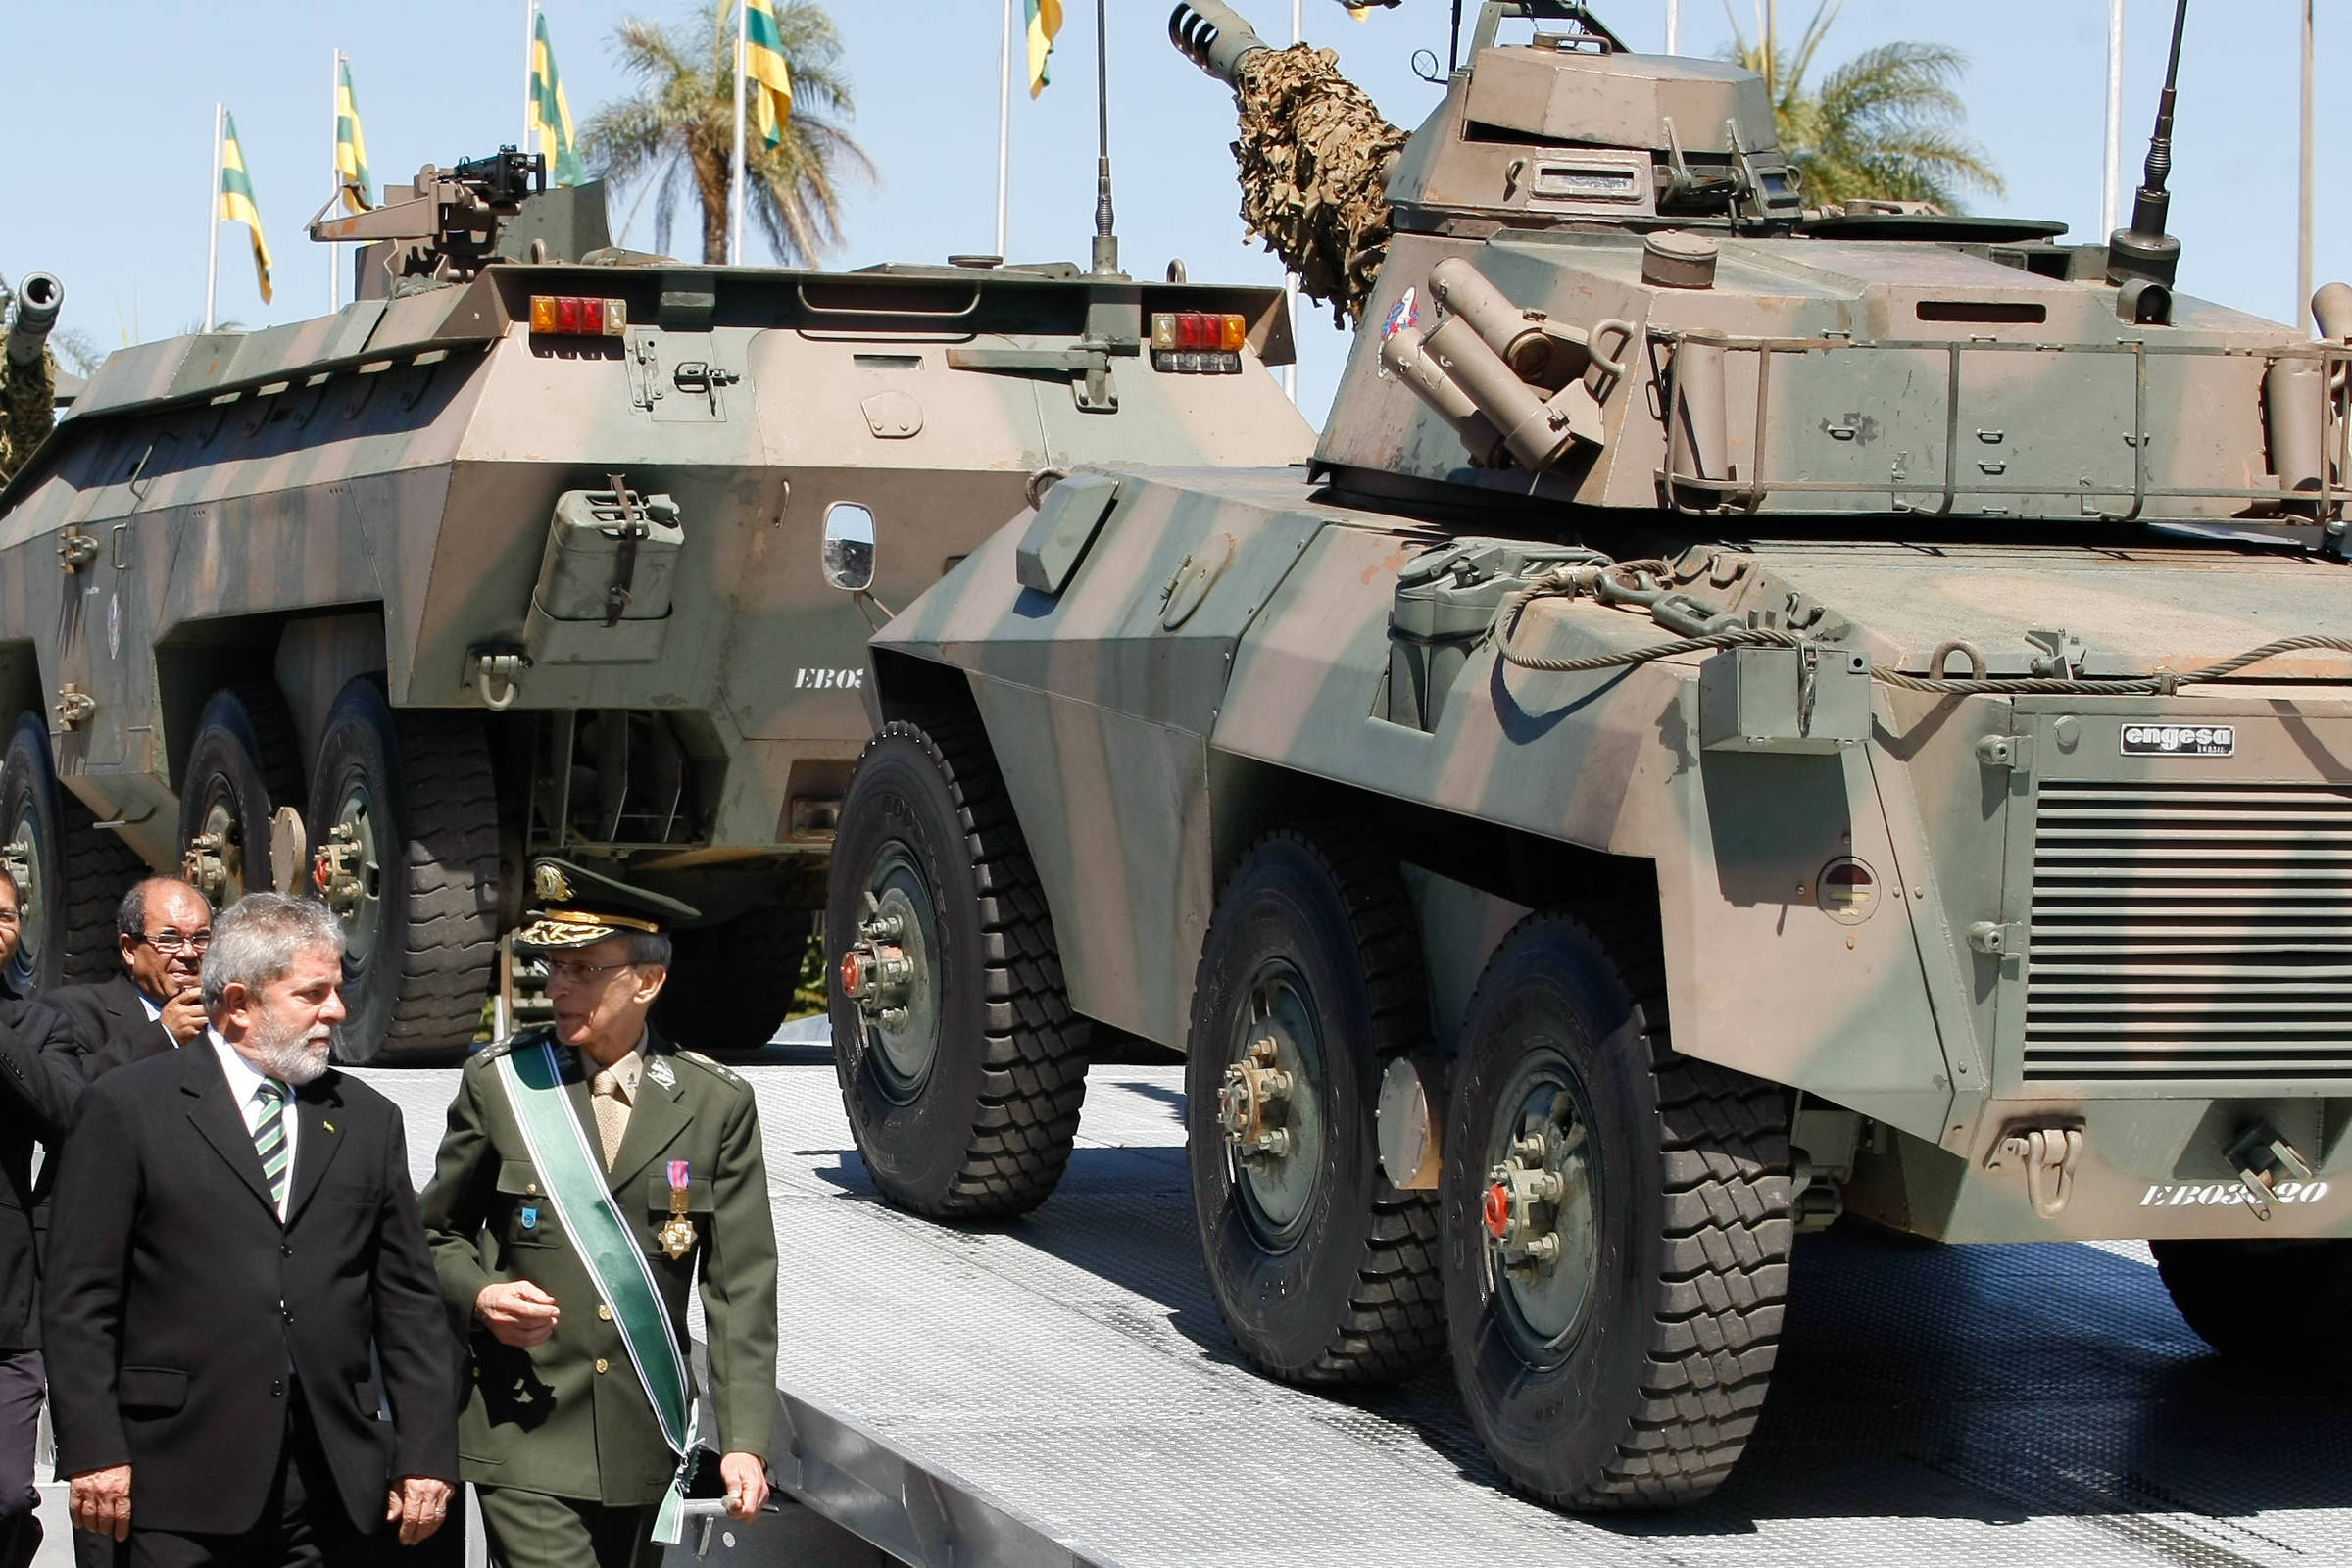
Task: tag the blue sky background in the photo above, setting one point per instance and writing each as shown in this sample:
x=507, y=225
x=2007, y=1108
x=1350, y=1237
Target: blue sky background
x=110, y=195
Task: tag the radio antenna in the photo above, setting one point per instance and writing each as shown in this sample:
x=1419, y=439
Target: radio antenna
x=1106, y=242
x=2146, y=250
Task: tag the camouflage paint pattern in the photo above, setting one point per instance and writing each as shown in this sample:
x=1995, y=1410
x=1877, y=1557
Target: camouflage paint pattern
x=1956, y=438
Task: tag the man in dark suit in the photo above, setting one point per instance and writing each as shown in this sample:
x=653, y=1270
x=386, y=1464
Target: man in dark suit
x=237, y=1250
x=40, y=1084
x=161, y=925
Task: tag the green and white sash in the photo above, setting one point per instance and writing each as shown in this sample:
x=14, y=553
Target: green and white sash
x=584, y=1208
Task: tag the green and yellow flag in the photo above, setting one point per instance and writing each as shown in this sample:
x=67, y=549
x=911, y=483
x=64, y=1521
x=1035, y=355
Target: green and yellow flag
x=236, y=200
x=550, y=114
x=763, y=64
x=1045, y=21
x=351, y=147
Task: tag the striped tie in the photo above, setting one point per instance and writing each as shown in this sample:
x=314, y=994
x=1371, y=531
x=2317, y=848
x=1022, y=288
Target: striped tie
x=270, y=1140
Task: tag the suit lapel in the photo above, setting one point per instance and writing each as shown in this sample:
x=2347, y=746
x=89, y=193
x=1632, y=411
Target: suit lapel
x=655, y=1118
x=319, y=1139
x=221, y=1122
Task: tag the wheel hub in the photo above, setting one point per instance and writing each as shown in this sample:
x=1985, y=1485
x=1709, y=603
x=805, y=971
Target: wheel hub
x=211, y=862
x=890, y=972
x=348, y=876
x=1540, y=1211
x=876, y=971
x=1254, y=1102
x=1270, y=1108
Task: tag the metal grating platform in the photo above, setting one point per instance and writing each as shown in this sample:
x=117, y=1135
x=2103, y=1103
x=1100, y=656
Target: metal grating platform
x=1061, y=1391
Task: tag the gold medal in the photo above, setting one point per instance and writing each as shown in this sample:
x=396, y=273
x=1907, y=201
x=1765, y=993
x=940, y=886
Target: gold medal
x=677, y=1235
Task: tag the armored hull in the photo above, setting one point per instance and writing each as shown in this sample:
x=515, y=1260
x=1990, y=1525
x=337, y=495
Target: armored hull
x=1752, y=715
x=426, y=584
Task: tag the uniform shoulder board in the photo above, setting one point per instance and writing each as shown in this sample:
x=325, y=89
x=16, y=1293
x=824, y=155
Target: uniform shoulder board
x=716, y=1069
x=500, y=1048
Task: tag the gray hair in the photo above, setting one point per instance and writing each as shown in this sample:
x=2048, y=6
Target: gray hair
x=648, y=947
x=16, y=887
x=256, y=939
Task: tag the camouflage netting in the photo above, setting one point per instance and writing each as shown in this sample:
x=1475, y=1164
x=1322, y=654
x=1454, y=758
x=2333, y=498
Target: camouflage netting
x=1313, y=155
x=28, y=394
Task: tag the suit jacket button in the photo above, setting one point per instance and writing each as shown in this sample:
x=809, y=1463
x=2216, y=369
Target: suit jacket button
x=604, y=1313
x=601, y=1363
x=277, y=1388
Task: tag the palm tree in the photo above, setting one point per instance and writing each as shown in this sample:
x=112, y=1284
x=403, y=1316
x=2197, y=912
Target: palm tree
x=1884, y=126
x=678, y=131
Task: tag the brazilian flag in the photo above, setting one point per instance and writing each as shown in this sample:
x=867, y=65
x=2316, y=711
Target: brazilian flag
x=350, y=146
x=550, y=114
x=1045, y=21
x=236, y=200
x=763, y=62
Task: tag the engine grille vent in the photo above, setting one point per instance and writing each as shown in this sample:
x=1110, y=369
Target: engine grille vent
x=2188, y=931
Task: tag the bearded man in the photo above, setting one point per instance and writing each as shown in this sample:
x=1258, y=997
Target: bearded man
x=236, y=1255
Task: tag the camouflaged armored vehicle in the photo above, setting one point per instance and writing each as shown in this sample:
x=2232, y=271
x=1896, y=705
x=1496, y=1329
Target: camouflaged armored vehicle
x=525, y=550
x=1751, y=715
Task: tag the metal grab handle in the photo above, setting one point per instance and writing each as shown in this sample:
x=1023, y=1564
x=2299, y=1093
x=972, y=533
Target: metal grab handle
x=1958, y=645
x=801, y=289
x=1615, y=367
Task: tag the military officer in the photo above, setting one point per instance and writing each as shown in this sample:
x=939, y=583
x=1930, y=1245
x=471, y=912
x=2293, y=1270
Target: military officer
x=591, y=1172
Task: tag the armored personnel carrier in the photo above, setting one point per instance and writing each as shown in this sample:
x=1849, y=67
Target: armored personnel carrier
x=1752, y=714
x=526, y=549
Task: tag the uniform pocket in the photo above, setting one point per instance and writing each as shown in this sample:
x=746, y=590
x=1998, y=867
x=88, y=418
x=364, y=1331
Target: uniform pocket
x=151, y=1390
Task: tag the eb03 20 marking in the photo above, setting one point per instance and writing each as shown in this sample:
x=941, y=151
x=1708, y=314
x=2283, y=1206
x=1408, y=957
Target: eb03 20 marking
x=2180, y=1195
x=813, y=678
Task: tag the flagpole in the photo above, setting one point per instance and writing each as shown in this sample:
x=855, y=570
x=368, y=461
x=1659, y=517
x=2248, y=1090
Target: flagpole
x=212, y=226
x=531, y=70
x=1004, y=132
x=1674, y=27
x=743, y=33
x=2111, y=182
x=334, y=125
x=2306, y=174
x=1290, y=280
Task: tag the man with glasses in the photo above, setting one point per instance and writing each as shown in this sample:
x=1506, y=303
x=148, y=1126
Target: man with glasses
x=40, y=1085
x=163, y=927
x=591, y=1174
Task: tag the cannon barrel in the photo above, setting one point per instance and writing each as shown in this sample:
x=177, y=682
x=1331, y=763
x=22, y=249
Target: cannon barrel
x=38, y=298
x=1213, y=36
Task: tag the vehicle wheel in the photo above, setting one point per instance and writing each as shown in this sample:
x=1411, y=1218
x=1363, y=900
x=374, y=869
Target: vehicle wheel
x=1617, y=1229
x=1310, y=982
x=403, y=832
x=241, y=768
x=2229, y=1291
x=72, y=872
x=961, y=1063
x=731, y=984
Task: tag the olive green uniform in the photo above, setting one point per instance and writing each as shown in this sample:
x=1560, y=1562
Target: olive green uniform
x=560, y=1439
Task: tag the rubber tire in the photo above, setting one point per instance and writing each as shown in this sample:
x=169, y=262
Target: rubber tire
x=1357, y=1298
x=1656, y=1398
x=430, y=772
x=245, y=751
x=84, y=870
x=730, y=984
x=2229, y=1291
x=989, y=1132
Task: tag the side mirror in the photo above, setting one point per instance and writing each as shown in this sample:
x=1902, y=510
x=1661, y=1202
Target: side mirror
x=849, y=547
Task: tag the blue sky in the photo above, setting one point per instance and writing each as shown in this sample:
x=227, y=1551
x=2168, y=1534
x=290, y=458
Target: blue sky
x=113, y=198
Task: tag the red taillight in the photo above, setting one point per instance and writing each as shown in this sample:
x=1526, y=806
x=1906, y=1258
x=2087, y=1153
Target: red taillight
x=1198, y=342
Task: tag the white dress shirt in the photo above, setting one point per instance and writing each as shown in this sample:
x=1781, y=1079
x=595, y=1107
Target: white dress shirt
x=243, y=1079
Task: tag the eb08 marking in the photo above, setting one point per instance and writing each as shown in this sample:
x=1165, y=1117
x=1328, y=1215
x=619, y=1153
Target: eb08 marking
x=2172, y=1195
x=2180, y=740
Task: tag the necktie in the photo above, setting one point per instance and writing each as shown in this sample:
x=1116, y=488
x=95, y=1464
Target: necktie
x=612, y=1111
x=270, y=1140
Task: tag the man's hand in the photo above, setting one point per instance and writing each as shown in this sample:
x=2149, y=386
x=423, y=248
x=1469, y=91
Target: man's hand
x=747, y=1485
x=417, y=1506
x=517, y=1314
x=183, y=1015
x=100, y=1501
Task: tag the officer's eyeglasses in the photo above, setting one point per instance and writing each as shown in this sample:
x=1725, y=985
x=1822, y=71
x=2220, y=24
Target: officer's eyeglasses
x=171, y=942
x=581, y=974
